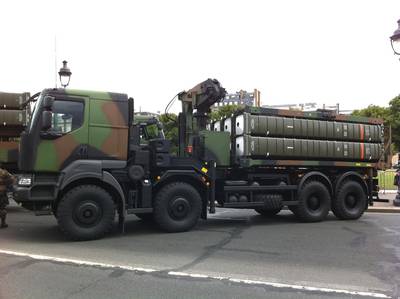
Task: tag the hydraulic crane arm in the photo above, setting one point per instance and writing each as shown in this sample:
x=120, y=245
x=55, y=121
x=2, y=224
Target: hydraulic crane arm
x=203, y=95
x=200, y=98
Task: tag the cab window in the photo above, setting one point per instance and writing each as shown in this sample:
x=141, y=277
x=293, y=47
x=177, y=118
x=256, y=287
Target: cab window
x=67, y=116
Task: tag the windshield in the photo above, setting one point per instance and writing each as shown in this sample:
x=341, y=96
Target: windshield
x=35, y=113
x=152, y=131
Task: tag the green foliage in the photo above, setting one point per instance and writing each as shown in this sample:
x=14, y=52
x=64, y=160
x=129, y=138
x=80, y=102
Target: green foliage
x=394, y=120
x=170, y=125
x=224, y=112
x=373, y=111
x=390, y=115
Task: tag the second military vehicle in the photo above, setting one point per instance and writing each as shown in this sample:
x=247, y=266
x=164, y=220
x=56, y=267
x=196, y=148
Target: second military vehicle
x=81, y=157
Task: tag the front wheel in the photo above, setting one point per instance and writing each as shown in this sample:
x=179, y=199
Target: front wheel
x=177, y=207
x=86, y=212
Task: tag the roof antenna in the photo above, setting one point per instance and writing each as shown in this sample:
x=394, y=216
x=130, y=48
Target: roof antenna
x=55, y=61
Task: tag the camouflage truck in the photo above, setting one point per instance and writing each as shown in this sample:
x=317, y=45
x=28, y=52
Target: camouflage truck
x=13, y=118
x=82, y=159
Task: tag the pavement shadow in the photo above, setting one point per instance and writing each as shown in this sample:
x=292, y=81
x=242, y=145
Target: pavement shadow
x=39, y=229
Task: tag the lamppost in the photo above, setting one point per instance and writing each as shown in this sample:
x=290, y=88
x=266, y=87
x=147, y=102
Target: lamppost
x=65, y=74
x=395, y=42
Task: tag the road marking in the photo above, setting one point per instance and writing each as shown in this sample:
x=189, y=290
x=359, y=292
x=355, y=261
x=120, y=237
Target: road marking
x=193, y=275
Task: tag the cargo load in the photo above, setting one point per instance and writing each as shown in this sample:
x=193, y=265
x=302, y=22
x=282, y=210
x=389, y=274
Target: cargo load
x=12, y=100
x=13, y=118
x=271, y=134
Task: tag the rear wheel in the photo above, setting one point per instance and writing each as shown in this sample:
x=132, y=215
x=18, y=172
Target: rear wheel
x=267, y=212
x=177, y=207
x=350, y=201
x=314, y=202
x=86, y=212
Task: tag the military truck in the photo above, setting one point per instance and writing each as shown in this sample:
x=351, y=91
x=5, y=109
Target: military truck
x=81, y=159
x=13, y=118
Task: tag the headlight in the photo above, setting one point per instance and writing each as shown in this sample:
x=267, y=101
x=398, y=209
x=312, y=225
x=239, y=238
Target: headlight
x=24, y=180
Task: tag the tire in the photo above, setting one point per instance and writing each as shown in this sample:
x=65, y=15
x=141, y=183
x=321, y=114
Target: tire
x=267, y=212
x=314, y=202
x=350, y=202
x=177, y=207
x=145, y=217
x=86, y=212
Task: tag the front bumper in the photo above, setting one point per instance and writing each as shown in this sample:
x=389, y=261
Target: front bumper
x=42, y=189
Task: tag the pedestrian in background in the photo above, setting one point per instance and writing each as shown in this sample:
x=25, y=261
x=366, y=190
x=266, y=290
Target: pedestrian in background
x=6, y=182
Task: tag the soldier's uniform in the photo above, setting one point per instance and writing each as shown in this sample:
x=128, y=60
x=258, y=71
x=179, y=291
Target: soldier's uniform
x=6, y=182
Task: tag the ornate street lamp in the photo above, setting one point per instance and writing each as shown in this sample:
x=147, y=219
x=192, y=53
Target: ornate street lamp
x=395, y=40
x=65, y=74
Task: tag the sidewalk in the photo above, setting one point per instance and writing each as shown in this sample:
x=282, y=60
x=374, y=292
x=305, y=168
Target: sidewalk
x=385, y=207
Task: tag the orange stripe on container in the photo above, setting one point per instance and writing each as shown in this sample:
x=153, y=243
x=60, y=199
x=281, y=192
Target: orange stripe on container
x=362, y=151
x=361, y=132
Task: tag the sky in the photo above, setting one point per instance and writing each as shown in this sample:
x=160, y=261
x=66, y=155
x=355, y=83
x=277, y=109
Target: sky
x=319, y=51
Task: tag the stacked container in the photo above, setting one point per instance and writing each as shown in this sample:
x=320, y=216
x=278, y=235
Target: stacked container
x=13, y=119
x=282, y=134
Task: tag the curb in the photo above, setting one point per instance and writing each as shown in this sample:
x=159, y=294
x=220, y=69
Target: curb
x=392, y=210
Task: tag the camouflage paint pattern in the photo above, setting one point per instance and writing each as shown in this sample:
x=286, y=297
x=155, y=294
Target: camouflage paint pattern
x=102, y=135
x=108, y=131
x=8, y=152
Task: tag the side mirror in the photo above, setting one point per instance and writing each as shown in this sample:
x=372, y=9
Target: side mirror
x=46, y=120
x=48, y=102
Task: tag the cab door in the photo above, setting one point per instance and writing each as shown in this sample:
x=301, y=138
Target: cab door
x=67, y=138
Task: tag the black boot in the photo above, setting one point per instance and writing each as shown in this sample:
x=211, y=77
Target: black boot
x=3, y=222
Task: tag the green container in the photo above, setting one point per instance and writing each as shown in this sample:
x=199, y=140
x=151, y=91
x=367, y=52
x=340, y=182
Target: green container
x=14, y=118
x=306, y=149
x=290, y=127
x=12, y=100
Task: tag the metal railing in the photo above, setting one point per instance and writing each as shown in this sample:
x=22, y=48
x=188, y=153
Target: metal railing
x=385, y=180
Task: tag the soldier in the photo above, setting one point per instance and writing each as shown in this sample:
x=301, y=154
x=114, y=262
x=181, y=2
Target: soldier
x=6, y=182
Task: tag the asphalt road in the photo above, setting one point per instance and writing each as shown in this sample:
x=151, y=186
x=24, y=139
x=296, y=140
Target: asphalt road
x=236, y=254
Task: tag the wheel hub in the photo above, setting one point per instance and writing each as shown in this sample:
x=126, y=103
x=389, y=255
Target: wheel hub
x=88, y=213
x=313, y=203
x=179, y=208
x=351, y=201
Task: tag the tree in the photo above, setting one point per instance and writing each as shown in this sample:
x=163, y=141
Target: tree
x=394, y=120
x=390, y=115
x=224, y=112
x=373, y=111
